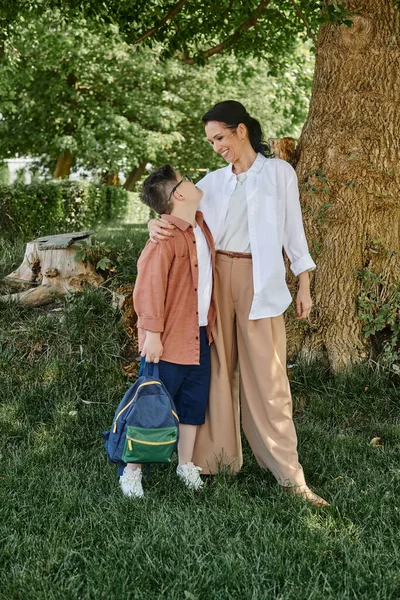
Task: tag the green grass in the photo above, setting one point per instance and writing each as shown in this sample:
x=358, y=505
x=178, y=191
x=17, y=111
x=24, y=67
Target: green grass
x=67, y=533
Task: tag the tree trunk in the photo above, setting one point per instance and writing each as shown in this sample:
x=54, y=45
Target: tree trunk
x=110, y=178
x=134, y=176
x=349, y=175
x=50, y=265
x=64, y=164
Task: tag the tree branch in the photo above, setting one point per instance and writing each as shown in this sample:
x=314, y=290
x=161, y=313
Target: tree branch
x=302, y=18
x=164, y=20
x=250, y=22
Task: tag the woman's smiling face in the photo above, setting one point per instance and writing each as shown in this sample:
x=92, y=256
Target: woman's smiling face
x=225, y=141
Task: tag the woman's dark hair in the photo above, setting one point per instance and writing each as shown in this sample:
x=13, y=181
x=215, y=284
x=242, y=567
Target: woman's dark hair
x=231, y=113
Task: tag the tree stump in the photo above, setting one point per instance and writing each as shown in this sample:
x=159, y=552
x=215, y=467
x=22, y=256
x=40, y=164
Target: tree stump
x=50, y=269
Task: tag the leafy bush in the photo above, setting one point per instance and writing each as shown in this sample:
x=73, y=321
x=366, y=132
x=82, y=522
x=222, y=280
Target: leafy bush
x=379, y=312
x=47, y=208
x=4, y=174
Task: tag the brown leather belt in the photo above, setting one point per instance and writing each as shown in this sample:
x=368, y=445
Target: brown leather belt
x=234, y=254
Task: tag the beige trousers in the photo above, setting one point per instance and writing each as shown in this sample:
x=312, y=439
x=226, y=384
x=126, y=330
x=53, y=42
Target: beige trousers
x=266, y=405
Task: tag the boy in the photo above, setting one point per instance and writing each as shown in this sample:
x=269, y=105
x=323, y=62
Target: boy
x=173, y=299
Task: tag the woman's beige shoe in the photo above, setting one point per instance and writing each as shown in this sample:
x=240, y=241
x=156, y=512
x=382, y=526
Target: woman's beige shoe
x=303, y=491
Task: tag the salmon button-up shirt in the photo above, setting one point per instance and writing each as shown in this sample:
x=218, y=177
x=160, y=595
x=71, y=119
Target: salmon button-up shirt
x=165, y=296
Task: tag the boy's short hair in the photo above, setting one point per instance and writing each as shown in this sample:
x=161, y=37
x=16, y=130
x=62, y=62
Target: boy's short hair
x=157, y=188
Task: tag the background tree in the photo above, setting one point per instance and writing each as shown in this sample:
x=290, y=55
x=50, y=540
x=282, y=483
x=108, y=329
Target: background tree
x=75, y=94
x=113, y=106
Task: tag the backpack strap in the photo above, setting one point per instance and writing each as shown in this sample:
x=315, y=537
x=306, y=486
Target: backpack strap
x=150, y=370
x=142, y=366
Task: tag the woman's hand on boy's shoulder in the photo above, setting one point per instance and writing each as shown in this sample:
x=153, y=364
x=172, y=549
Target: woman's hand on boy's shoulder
x=160, y=230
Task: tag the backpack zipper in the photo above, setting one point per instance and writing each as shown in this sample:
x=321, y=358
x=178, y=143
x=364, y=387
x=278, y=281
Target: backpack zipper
x=133, y=399
x=130, y=440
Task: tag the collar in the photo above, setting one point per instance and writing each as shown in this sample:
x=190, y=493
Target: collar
x=255, y=167
x=181, y=223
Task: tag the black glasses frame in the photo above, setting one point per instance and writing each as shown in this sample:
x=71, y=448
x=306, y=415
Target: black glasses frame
x=184, y=178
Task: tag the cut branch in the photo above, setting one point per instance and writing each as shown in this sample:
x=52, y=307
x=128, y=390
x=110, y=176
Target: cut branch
x=164, y=20
x=250, y=22
x=301, y=16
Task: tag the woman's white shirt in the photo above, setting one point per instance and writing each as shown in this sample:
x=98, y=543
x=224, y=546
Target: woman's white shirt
x=274, y=222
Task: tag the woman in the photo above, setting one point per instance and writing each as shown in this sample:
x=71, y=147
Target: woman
x=252, y=208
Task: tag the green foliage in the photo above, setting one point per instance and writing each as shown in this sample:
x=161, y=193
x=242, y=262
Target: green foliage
x=47, y=208
x=248, y=28
x=121, y=245
x=379, y=311
x=4, y=174
x=103, y=99
x=11, y=254
x=115, y=105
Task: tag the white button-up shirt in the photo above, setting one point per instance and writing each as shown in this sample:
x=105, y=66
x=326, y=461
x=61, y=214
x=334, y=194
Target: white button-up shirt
x=275, y=222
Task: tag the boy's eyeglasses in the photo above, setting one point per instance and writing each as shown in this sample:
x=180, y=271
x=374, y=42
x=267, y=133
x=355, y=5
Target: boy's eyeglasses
x=184, y=178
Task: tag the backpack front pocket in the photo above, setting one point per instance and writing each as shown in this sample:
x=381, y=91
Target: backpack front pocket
x=149, y=445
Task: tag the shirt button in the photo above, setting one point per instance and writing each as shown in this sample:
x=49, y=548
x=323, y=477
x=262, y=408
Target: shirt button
x=195, y=289
x=194, y=241
x=196, y=265
x=197, y=337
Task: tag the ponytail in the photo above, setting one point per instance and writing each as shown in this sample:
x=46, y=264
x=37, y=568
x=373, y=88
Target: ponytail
x=231, y=113
x=256, y=137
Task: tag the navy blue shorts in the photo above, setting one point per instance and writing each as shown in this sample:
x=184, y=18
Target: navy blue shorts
x=188, y=385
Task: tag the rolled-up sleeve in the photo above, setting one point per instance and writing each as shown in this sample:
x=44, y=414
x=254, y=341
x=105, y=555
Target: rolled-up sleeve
x=151, y=285
x=294, y=238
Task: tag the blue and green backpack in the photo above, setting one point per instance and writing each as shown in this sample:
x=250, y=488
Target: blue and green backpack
x=145, y=428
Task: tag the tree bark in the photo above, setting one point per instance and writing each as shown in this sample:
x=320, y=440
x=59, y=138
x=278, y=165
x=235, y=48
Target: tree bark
x=349, y=174
x=284, y=148
x=134, y=176
x=64, y=164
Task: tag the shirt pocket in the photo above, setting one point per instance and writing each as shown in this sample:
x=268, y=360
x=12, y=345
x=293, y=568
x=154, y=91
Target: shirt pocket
x=270, y=209
x=180, y=268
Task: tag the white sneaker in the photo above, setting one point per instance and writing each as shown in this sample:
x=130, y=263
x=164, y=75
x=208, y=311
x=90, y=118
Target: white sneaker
x=131, y=483
x=190, y=475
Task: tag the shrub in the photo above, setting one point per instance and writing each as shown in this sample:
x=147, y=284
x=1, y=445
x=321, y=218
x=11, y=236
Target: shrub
x=379, y=313
x=53, y=207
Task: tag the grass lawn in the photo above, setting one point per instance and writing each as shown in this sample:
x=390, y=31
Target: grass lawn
x=67, y=533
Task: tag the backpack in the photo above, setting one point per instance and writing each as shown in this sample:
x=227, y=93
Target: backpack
x=145, y=428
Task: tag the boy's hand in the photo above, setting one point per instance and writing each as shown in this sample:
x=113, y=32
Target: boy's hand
x=158, y=230
x=152, y=347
